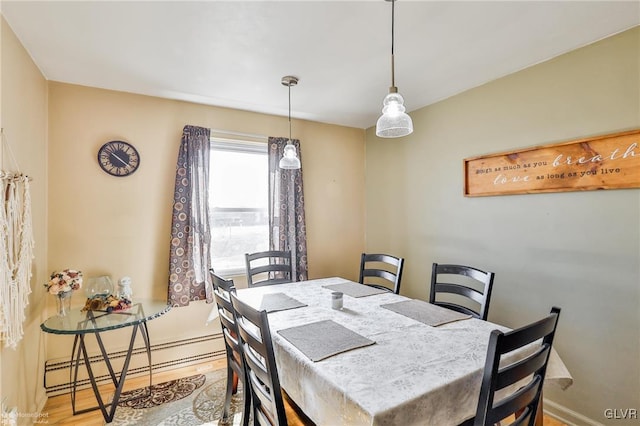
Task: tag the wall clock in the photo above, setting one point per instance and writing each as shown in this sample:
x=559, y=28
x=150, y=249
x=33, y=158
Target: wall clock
x=118, y=158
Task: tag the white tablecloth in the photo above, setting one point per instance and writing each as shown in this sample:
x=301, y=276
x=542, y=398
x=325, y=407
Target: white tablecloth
x=413, y=375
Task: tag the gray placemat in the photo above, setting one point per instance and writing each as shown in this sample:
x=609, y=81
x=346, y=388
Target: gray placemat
x=354, y=289
x=426, y=313
x=273, y=302
x=322, y=339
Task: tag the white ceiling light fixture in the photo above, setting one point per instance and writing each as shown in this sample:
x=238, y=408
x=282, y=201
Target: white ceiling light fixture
x=290, y=158
x=394, y=122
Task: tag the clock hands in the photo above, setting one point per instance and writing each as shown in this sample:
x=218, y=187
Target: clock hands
x=119, y=159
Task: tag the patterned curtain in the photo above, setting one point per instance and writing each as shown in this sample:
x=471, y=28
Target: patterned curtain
x=189, y=259
x=286, y=208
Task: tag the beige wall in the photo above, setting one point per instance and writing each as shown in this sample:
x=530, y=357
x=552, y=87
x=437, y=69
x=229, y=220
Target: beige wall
x=120, y=226
x=576, y=250
x=23, y=118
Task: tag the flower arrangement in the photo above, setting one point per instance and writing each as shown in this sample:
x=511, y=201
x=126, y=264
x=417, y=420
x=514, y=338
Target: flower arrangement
x=64, y=281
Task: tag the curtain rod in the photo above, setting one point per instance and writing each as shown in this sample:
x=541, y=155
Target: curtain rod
x=239, y=134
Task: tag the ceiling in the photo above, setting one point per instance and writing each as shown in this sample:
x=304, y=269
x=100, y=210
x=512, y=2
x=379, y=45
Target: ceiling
x=234, y=53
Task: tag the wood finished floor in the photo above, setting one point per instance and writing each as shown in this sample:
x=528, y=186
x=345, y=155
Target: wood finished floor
x=57, y=410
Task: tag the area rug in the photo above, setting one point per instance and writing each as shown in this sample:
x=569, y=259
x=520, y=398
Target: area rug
x=191, y=401
x=162, y=393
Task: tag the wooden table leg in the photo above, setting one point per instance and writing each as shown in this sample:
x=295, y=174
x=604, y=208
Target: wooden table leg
x=235, y=383
x=540, y=412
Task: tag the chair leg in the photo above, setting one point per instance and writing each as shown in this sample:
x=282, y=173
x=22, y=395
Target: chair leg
x=228, y=394
x=246, y=395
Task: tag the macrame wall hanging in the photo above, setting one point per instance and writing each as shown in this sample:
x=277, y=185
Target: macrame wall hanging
x=16, y=249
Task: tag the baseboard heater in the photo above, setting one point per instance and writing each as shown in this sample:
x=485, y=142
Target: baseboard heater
x=57, y=373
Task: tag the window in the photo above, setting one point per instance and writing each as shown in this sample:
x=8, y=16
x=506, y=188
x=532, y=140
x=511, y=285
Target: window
x=239, y=185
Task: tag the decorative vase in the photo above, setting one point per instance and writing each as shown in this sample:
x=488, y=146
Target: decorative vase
x=99, y=286
x=63, y=303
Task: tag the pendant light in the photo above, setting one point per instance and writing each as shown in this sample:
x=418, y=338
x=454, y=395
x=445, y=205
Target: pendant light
x=394, y=122
x=290, y=158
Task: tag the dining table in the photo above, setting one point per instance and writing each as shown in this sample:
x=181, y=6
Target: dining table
x=382, y=359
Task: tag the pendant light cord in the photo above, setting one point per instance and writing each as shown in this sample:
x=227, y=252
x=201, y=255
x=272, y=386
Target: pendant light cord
x=290, y=141
x=393, y=71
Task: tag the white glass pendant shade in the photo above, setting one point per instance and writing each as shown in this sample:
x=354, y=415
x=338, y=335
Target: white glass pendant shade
x=289, y=158
x=394, y=122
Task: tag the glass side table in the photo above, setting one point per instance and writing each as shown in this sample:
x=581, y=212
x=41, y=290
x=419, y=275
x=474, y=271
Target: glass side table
x=81, y=323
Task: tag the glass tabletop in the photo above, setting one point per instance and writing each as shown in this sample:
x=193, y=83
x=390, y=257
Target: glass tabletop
x=79, y=322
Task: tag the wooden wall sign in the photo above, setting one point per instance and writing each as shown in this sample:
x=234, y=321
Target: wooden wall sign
x=602, y=162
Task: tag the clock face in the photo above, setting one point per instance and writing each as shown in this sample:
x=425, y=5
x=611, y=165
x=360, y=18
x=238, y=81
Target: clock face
x=118, y=158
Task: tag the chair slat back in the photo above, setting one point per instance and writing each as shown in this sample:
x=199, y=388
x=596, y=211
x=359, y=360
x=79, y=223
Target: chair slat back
x=523, y=403
x=467, y=299
x=384, y=266
x=257, y=349
x=278, y=270
x=222, y=290
x=461, y=290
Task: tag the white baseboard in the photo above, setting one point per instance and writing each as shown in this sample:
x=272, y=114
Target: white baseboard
x=565, y=415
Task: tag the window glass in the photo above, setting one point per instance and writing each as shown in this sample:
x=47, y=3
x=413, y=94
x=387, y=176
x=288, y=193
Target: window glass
x=239, y=200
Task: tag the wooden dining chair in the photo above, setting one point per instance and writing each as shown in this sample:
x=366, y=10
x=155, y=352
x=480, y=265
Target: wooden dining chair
x=222, y=290
x=269, y=267
x=521, y=405
x=381, y=271
x=260, y=364
x=470, y=294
